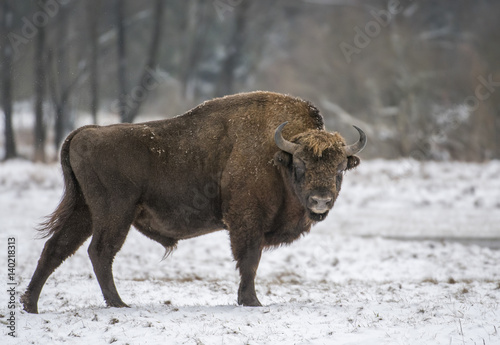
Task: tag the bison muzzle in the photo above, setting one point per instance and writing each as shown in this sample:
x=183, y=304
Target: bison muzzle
x=262, y=162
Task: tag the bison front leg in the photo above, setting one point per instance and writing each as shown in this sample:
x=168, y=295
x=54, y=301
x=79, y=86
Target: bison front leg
x=247, y=255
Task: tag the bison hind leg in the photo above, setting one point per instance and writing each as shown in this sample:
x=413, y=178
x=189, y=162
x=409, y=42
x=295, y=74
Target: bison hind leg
x=73, y=230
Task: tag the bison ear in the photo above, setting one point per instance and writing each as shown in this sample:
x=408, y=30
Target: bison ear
x=282, y=158
x=352, y=162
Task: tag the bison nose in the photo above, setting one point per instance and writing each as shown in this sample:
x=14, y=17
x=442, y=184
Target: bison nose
x=320, y=204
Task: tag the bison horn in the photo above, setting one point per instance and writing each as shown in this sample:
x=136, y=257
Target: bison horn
x=358, y=146
x=283, y=144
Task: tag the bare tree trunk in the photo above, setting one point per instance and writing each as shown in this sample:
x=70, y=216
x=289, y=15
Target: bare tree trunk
x=133, y=110
x=62, y=72
x=59, y=82
x=404, y=118
x=122, y=59
x=40, y=82
x=497, y=134
x=197, y=19
x=55, y=90
x=225, y=85
x=93, y=7
x=10, y=144
x=60, y=89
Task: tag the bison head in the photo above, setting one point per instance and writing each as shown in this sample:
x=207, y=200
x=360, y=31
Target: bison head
x=314, y=163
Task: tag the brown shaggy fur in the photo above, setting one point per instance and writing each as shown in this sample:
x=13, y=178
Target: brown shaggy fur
x=318, y=141
x=207, y=170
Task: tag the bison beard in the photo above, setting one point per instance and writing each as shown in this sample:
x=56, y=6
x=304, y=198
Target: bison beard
x=271, y=169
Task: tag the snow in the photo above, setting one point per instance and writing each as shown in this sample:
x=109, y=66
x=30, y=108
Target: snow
x=359, y=277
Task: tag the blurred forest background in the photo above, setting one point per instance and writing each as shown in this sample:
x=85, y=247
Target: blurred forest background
x=421, y=77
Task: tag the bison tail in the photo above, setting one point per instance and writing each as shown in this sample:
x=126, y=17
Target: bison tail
x=72, y=197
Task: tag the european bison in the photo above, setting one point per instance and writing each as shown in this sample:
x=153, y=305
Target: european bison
x=258, y=164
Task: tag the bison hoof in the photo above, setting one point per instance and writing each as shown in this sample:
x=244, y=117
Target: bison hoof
x=28, y=305
x=117, y=304
x=249, y=302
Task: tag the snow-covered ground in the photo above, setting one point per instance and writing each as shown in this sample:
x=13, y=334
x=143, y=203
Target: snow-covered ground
x=342, y=284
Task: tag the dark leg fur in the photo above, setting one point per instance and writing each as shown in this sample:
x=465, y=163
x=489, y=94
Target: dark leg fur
x=63, y=243
x=107, y=239
x=247, y=258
